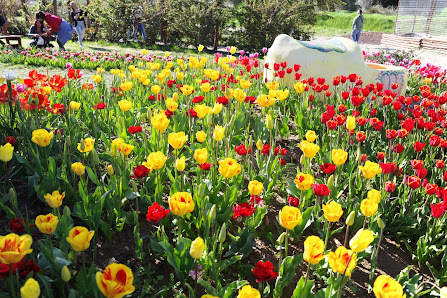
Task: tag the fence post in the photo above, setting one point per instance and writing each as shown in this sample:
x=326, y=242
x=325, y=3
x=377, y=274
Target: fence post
x=427, y=27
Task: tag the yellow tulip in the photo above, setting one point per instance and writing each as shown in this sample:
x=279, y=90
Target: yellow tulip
x=187, y=90
x=339, y=156
x=42, y=137
x=311, y=136
x=233, y=50
x=259, y=145
x=255, y=187
x=239, y=95
x=299, y=87
x=96, y=78
x=47, y=224
x=160, y=122
x=125, y=149
x=30, y=289
x=269, y=121
x=177, y=140
x=332, y=211
x=265, y=101
x=89, y=144
x=54, y=200
x=304, y=181
x=125, y=105
x=229, y=167
x=197, y=248
x=110, y=170
x=290, y=217
x=248, y=292
x=180, y=164
x=374, y=195
x=281, y=95
x=219, y=133
x=201, y=136
x=6, y=152
x=171, y=105
x=181, y=203
x=13, y=248
x=361, y=240
x=350, y=122
x=309, y=149
x=74, y=105
x=200, y=47
x=78, y=168
x=156, y=160
x=272, y=85
x=201, y=110
x=79, y=238
x=338, y=260
x=116, y=281
x=155, y=89
x=387, y=287
x=206, y=87
x=217, y=108
x=245, y=84
x=313, y=250
x=368, y=207
x=370, y=169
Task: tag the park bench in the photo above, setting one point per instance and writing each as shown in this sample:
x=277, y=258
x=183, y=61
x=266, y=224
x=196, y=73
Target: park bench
x=8, y=38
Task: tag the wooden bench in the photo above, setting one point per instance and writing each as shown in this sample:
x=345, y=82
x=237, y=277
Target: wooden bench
x=8, y=38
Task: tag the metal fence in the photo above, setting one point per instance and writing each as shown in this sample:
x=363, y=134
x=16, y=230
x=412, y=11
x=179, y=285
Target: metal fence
x=422, y=17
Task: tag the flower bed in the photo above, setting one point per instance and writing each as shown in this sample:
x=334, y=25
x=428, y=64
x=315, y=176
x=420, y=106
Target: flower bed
x=196, y=156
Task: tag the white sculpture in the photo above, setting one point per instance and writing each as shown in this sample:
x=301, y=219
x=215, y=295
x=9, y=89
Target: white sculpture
x=335, y=57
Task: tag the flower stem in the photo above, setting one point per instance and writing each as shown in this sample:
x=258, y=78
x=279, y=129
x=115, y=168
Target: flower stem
x=307, y=275
x=286, y=244
x=327, y=234
x=11, y=282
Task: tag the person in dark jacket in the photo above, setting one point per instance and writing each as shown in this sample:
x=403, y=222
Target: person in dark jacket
x=77, y=16
x=39, y=36
x=57, y=25
x=357, y=26
x=138, y=23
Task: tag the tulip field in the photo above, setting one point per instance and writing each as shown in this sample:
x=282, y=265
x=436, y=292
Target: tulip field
x=192, y=176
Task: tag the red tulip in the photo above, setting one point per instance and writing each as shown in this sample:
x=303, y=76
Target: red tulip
x=243, y=210
x=328, y=168
x=440, y=164
x=417, y=164
x=431, y=189
x=321, y=190
x=418, y=146
x=414, y=182
x=135, y=129
x=437, y=210
x=264, y=271
x=380, y=155
x=390, y=187
x=156, y=213
x=293, y=201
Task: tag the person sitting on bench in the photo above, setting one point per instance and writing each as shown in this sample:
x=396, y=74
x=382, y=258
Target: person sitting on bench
x=39, y=36
x=4, y=25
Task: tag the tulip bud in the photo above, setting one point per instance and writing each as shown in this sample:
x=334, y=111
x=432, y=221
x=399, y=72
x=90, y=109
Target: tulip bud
x=269, y=122
x=149, y=115
x=212, y=214
x=223, y=233
x=33, y=125
x=350, y=219
x=67, y=211
x=381, y=223
x=65, y=273
x=281, y=238
x=12, y=195
x=330, y=181
x=110, y=170
x=95, y=156
x=82, y=145
x=201, y=191
x=359, y=155
x=134, y=187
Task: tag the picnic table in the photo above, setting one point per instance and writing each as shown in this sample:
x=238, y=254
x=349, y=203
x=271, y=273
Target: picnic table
x=8, y=38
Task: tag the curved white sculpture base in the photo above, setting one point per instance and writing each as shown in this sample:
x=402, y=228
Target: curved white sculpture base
x=338, y=56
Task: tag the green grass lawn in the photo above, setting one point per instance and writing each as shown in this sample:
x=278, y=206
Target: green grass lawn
x=340, y=22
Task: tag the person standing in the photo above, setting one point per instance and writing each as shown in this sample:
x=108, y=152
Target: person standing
x=64, y=31
x=77, y=16
x=138, y=23
x=357, y=26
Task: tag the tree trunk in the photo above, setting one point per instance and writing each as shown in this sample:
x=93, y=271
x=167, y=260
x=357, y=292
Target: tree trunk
x=55, y=7
x=216, y=36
